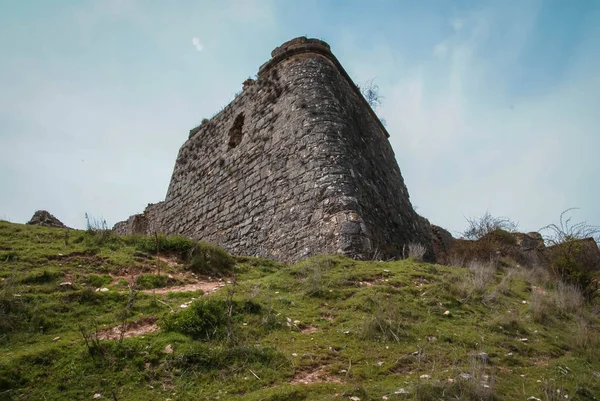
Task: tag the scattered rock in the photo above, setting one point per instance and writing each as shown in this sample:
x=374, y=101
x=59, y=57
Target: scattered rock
x=447, y=313
x=104, y=289
x=401, y=391
x=55, y=339
x=465, y=376
x=168, y=349
x=354, y=398
x=524, y=340
x=425, y=377
x=66, y=284
x=532, y=398
x=97, y=396
x=45, y=219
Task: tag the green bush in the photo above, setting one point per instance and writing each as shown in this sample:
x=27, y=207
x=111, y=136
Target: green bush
x=205, y=319
x=211, y=260
x=97, y=281
x=573, y=262
x=178, y=245
x=206, y=357
x=44, y=277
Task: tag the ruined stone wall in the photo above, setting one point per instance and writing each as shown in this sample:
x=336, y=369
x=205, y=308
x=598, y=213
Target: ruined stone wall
x=298, y=164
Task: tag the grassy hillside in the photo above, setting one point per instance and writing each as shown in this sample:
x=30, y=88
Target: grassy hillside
x=325, y=328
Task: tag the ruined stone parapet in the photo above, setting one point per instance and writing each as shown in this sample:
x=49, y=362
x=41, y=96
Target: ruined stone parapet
x=296, y=165
x=146, y=223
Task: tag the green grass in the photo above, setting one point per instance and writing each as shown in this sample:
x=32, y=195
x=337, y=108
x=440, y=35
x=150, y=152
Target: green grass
x=372, y=328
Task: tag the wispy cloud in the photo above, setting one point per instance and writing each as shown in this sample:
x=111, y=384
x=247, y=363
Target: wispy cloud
x=467, y=140
x=197, y=44
x=457, y=24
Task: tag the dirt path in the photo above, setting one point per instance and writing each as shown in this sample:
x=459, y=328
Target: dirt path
x=143, y=326
x=206, y=286
x=148, y=325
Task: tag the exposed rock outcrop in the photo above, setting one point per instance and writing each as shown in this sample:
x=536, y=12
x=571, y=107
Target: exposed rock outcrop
x=44, y=218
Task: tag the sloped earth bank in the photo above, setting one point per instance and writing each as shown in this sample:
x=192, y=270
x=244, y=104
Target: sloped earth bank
x=148, y=325
x=399, y=330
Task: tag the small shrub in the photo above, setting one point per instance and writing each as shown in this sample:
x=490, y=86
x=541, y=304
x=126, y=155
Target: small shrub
x=228, y=360
x=86, y=296
x=97, y=281
x=99, y=234
x=205, y=319
x=481, y=275
x=537, y=275
x=44, y=277
x=479, y=227
x=311, y=272
x=370, y=92
x=385, y=322
x=565, y=231
x=314, y=281
x=210, y=260
x=567, y=298
x=177, y=245
x=504, y=285
x=272, y=320
x=573, y=262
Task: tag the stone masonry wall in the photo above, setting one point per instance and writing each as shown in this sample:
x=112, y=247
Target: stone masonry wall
x=298, y=164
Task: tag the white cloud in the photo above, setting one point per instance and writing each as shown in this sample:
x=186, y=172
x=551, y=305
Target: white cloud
x=440, y=50
x=457, y=24
x=466, y=143
x=197, y=44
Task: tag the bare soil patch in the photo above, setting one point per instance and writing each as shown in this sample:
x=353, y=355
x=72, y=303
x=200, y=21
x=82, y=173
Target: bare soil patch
x=143, y=326
x=309, y=330
x=318, y=375
x=206, y=286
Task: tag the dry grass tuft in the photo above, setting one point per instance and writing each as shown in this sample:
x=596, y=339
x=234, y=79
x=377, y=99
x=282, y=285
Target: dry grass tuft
x=482, y=275
x=416, y=251
x=567, y=298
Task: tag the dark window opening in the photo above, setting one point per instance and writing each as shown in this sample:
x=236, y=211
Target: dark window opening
x=235, y=133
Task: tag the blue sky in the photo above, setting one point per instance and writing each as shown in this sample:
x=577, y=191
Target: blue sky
x=491, y=105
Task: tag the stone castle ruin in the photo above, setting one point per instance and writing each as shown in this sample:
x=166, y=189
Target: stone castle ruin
x=297, y=164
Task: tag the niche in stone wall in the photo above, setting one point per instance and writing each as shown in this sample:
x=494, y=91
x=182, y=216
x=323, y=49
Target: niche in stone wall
x=235, y=133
